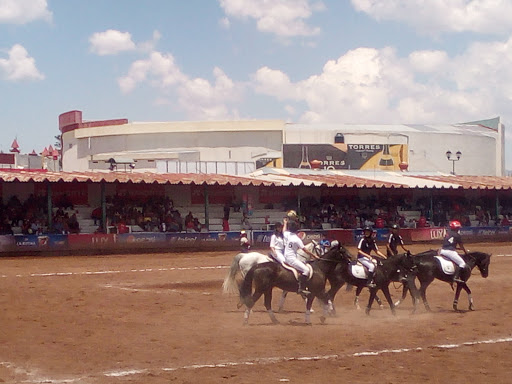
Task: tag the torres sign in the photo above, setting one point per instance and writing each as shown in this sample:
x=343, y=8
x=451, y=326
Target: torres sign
x=346, y=156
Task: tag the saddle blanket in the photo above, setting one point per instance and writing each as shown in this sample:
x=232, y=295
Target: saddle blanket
x=358, y=271
x=446, y=265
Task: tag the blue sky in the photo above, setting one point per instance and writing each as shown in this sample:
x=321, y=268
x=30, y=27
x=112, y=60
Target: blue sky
x=304, y=61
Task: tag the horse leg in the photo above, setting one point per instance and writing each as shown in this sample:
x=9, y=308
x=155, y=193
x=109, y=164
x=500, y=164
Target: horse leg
x=387, y=295
x=268, y=306
x=379, y=301
x=248, y=310
x=423, y=294
x=281, y=301
x=330, y=297
x=373, y=293
x=356, y=299
x=470, y=298
x=405, y=288
x=309, y=304
x=456, y=298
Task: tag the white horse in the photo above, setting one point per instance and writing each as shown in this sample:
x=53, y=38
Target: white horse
x=242, y=262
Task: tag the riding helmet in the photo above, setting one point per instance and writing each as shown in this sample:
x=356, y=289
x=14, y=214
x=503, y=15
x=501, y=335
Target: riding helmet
x=395, y=226
x=455, y=224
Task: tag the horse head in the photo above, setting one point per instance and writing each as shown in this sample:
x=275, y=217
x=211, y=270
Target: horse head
x=482, y=261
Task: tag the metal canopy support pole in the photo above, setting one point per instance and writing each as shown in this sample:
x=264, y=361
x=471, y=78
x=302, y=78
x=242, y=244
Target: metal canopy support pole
x=497, y=205
x=431, y=206
x=50, y=207
x=298, y=203
x=206, y=208
x=103, y=207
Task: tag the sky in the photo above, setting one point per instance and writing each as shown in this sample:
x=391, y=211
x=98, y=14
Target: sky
x=302, y=61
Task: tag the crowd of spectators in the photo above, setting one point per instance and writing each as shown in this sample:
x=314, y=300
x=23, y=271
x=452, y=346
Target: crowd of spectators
x=158, y=214
x=31, y=216
x=359, y=213
x=152, y=214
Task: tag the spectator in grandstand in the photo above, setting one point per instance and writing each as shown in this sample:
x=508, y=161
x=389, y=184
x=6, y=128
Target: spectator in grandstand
x=225, y=224
x=96, y=215
x=74, y=226
x=246, y=224
x=5, y=228
x=245, y=244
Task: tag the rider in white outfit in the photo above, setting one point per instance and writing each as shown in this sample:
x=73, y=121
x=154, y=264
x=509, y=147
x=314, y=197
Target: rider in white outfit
x=449, y=249
x=293, y=244
x=277, y=243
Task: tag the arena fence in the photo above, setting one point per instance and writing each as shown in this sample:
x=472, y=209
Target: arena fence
x=19, y=245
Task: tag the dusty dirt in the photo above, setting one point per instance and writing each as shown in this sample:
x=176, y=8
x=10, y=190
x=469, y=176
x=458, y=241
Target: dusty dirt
x=162, y=318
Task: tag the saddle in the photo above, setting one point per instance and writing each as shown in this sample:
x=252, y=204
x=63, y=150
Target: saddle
x=297, y=273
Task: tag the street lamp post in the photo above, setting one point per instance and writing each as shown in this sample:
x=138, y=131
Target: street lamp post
x=457, y=157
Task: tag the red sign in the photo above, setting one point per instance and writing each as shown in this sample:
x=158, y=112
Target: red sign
x=140, y=191
x=277, y=195
x=77, y=193
x=219, y=194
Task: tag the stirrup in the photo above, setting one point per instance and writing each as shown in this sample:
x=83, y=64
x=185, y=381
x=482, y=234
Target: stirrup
x=458, y=280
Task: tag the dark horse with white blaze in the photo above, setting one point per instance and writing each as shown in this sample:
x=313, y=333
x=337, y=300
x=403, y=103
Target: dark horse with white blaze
x=264, y=277
x=426, y=267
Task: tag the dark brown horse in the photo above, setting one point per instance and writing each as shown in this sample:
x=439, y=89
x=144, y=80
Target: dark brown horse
x=427, y=268
x=265, y=276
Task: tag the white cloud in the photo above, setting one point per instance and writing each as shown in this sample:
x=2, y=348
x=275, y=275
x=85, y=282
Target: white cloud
x=111, y=42
x=284, y=18
x=434, y=16
x=19, y=66
x=209, y=101
x=428, y=61
x=198, y=97
x=368, y=85
x=24, y=11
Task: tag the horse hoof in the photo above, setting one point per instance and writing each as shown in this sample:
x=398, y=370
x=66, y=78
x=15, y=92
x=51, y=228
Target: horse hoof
x=322, y=319
x=367, y=311
x=471, y=307
x=381, y=306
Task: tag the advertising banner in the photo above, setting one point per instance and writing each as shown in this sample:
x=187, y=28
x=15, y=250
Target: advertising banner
x=142, y=238
x=389, y=157
x=92, y=239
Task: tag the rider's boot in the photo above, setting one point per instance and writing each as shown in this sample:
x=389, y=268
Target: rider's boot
x=369, y=282
x=456, y=275
x=302, y=286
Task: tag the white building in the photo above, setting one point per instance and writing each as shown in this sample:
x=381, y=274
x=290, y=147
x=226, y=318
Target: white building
x=240, y=147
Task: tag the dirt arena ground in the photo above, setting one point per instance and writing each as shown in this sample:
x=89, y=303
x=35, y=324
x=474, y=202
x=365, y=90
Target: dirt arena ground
x=162, y=318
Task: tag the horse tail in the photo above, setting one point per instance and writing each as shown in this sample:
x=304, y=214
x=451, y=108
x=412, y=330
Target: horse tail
x=229, y=285
x=246, y=288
